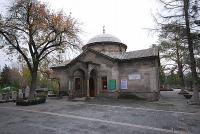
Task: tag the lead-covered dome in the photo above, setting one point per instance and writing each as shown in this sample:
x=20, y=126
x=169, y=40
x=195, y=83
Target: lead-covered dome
x=105, y=42
x=104, y=38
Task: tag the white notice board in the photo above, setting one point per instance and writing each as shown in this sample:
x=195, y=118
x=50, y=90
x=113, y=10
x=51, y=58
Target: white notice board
x=124, y=84
x=135, y=76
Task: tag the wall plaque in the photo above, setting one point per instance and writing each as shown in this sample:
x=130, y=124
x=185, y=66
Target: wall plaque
x=124, y=84
x=135, y=76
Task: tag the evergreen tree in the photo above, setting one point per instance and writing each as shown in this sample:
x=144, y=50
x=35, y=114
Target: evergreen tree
x=5, y=76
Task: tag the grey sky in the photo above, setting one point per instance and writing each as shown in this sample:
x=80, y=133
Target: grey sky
x=125, y=19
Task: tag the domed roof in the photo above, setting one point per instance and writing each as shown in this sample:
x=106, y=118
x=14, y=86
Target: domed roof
x=104, y=38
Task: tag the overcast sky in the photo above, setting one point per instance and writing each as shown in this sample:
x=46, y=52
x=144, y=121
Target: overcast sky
x=126, y=19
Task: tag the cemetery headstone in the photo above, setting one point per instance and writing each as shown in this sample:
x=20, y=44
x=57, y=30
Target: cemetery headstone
x=27, y=92
x=14, y=95
x=1, y=96
x=20, y=94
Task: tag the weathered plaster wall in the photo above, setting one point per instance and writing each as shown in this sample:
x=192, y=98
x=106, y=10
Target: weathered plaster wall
x=61, y=75
x=147, y=86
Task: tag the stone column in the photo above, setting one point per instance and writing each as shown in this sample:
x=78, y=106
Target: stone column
x=88, y=88
x=88, y=84
x=98, y=84
x=70, y=87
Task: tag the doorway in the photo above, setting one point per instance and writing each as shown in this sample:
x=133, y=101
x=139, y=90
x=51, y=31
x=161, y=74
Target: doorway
x=104, y=83
x=77, y=83
x=92, y=87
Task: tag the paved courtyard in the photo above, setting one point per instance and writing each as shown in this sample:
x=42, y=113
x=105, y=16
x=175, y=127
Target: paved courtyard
x=58, y=116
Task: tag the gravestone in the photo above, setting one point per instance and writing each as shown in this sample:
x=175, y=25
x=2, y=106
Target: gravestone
x=14, y=95
x=1, y=96
x=27, y=92
x=20, y=94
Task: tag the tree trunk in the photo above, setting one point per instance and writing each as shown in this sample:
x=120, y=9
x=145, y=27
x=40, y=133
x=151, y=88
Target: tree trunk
x=180, y=70
x=181, y=77
x=33, y=83
x=195, y=97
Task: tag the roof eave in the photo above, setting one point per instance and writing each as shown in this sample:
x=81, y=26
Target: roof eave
x=106, y=42
x=139, y=58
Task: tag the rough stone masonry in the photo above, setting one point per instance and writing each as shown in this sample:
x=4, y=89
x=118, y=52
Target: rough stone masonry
x=104, y=68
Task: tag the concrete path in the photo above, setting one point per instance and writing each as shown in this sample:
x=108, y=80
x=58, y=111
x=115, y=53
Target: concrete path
x=171, y=115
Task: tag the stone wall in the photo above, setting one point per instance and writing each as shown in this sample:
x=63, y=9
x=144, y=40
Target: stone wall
x=142, y=78
x=62, y=75
x=142, y=75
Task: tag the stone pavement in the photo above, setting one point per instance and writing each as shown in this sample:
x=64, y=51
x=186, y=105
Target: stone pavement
x=100, y=115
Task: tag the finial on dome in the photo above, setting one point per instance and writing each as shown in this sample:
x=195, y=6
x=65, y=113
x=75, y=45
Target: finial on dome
x=104, y=31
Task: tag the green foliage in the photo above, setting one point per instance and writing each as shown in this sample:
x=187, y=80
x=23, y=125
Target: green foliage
x=55, y=87
x=44, y=82
x=172, y=80
x=16, y=84
x=5, y=76
x=26, y=77
x=8, y=89
x=162, y=76
x=12, y=80
x=10, y=77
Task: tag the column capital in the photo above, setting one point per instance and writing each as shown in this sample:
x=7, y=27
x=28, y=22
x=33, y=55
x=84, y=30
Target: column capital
x=87, y=76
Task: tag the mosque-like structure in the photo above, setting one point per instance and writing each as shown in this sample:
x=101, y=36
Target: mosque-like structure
x=104, y=68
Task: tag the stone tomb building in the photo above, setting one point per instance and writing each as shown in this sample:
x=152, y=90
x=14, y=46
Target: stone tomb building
x=104, y=68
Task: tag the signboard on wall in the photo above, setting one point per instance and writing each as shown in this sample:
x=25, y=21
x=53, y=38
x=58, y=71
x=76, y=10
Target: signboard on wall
x=124, y=84
x=112, y=84
x=135, y=76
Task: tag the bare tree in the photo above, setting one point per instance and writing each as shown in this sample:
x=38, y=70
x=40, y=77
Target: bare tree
x=34, y=32
x=172, y=48
x=184, y=12
x=193, y=66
